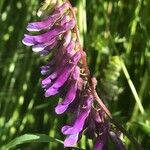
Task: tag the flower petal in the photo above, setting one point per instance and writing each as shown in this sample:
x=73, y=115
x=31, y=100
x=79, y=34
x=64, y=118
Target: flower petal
x=50, y=21
x=79, y=123
x=117, y=141
x=70, y=49
x=60, y=80
x=31, y=40
x=102, y=139
x=60, y=108
x=71, y=94
x=71, y=140
x=49, y=45
x=100, y=142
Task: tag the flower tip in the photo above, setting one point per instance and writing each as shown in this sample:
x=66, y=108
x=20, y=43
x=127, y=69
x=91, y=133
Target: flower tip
x=60, y=108
x=51, y=92
x=37, y=49
x=58, y=112
x=47, y=94
x=26, y=42
x=32, y=28
x=68, y=144
x=71, y=140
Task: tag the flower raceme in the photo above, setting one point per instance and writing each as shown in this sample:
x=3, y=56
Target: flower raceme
x=67, y=75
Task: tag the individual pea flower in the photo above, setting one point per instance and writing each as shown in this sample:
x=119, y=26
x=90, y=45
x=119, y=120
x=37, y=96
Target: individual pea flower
x=73, y=131
x=67, y=74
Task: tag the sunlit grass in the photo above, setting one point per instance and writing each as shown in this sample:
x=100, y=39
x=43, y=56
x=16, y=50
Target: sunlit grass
x=116, y=38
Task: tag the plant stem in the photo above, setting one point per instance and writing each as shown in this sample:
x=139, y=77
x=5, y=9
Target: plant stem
x=86, y=68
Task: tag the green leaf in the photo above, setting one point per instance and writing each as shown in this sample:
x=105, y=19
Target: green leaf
x=28, y=138
x=144, y=127
x=32, y=138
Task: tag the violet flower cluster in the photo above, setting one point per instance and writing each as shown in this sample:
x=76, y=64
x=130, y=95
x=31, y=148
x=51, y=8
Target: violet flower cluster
x=65, y=75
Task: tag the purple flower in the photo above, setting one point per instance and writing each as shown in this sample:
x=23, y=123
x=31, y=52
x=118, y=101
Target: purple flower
x=58, y=57
x=49, y=21
x=47, y=37
x=46, y=46
x=66, y=74
x=58, y=78
x=73, y=131
x=71, y=93
x=94, y=121
x=117, y=141
x=71, y=140
x=102, y=138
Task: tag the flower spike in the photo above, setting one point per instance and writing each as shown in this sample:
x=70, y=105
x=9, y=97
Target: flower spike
x=67, y=74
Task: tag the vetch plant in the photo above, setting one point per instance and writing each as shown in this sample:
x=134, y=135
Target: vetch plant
x=68, y=75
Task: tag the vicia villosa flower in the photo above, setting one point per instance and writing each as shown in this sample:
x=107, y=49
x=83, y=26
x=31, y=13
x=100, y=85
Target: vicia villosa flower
x=67, y=74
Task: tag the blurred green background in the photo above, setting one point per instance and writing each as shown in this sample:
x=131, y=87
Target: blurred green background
x=116, y=37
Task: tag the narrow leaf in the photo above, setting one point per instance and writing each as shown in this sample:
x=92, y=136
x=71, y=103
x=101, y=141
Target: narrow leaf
x=32, y=138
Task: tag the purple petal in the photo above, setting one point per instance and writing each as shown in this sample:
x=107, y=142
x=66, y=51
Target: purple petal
x=51, y=91
x=76, y=57
x=60, y=80
x=100, y=142
x=63, y=77
x=71, y=140
x=48, y=80
x=70, y=49
x=30, y=40
x=67, y=38
x=27, y=41
x=95, y=114
x=60, y=55
x=66, y=72
x=69, y=25
x=117, y=141
x=62, y=71
x=65, y=19
x=60, y=108
x=40, y=47
x=65, y=53
x=79, y=123
x=50, y=21
x=51, y=77
x=71, y=94
x=102, y=139
x=45, y=69
x=76, y=73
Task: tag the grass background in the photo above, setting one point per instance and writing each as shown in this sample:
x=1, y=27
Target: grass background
x=116, y=37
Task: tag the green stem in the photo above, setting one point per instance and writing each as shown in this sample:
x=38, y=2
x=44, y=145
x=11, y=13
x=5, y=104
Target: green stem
x=132, y=87
x=134, y=24
x=127, y=75
x=143, y=86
